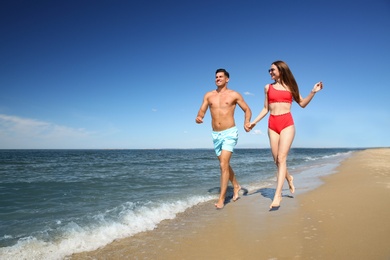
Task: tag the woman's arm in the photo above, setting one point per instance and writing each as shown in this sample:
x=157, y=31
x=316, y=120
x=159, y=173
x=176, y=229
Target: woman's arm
x=305, y=101
x=264, y=111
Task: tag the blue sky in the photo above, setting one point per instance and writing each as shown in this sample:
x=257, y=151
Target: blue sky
x=132, y=74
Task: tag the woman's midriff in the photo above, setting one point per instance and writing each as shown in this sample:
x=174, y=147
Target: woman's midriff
x=279, y=108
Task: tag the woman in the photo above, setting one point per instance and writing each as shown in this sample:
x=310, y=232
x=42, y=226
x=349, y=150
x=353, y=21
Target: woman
x=281, y=130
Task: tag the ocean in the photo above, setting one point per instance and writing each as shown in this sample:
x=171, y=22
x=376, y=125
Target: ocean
x=54, y=203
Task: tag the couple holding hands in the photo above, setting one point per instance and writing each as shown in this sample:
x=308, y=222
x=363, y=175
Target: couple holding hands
x=281, y=131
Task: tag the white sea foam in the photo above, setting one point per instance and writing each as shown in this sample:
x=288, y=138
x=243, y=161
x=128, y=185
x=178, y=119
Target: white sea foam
x=60, y=230
x=336, y=155
x=76, y=238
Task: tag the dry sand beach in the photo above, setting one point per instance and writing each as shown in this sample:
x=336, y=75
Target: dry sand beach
x=345, y=218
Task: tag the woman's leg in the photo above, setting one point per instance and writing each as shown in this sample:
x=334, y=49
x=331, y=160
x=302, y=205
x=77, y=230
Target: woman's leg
x=274, y=143
x=280, y=146
x=290, y=179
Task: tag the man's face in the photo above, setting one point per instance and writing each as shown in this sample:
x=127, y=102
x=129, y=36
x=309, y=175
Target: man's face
x=221, y=79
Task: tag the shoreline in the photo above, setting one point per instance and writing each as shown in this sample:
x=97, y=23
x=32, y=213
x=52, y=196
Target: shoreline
x=344, y=218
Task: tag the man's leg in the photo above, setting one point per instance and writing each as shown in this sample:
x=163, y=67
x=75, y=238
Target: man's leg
x=224, y=163
x=236, y=186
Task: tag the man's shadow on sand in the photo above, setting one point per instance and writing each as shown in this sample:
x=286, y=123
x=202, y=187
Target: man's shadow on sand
x=229, y=192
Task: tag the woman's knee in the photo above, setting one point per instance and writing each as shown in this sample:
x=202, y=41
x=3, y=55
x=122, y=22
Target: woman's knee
x=281, y=158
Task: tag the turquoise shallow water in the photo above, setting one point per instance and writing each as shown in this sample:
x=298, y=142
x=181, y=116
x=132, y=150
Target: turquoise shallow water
x=57, y=202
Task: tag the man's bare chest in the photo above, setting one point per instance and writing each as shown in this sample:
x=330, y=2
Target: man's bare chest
x=222, y=102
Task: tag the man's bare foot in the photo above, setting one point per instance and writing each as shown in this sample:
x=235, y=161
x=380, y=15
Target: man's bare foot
x=276, y=202
x=219, y=205
x=235, y=193
x=291, y=184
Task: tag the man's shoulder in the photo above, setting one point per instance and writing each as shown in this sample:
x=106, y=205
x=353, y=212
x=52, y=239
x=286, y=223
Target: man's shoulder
x=233, y=93
x=230, y=92
x=211, y=92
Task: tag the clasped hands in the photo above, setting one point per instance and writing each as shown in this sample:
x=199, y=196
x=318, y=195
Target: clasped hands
x=249, y=126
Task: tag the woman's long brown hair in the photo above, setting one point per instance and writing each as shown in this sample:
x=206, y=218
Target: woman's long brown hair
x=287, y=78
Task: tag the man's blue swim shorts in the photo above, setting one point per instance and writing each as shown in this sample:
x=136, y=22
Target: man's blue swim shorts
x=225, y=140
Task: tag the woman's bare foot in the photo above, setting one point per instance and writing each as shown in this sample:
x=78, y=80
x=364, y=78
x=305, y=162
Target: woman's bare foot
x=235, y=193
x=276, y=202
x=291, y=184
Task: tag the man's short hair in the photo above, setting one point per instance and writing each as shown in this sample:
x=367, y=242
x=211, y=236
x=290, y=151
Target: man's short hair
x=224, y=72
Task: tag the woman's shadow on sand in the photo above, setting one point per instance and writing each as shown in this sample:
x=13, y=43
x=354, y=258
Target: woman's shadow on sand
x=269, y=193
x=265, y=192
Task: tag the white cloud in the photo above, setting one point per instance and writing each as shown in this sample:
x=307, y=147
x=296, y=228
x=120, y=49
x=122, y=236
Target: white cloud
x=154, y=110
x=257, y=132
x=247, y=93
x=18, y=132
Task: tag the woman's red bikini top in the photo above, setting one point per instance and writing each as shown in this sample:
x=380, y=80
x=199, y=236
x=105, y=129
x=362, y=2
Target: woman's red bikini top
x=275, y=95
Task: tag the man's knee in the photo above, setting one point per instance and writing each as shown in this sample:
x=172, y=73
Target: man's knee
x=224, y=165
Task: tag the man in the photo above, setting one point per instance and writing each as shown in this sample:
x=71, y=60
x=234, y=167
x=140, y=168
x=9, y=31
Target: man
x=222, y=103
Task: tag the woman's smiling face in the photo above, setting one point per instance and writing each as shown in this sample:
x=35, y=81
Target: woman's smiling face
x=274, y=72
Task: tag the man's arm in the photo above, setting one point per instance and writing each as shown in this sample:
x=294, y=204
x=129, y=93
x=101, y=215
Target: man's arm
x=202, y=110
x=248, y=113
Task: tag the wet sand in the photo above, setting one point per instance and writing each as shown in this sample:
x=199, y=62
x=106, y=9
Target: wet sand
x=345, y=218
